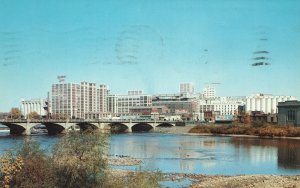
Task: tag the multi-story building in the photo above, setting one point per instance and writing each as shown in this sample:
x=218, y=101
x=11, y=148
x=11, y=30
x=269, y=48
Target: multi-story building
x=120, y=105
x=84, y=100
x=112, y=103
x=187, y=88
x=222, y=105
x=265, y=102
x=102, y=98
x=33, y=105
x=65, y=100
x=209, y=92
x=88, y=99
x=176, y=103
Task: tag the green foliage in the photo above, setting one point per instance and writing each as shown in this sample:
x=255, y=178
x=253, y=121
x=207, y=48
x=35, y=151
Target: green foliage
x=79, y=158
x=35, y=171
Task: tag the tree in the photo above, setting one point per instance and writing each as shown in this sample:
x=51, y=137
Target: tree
x=37, y=170
x=15, y=113
x=80, y=159
x=34, y=115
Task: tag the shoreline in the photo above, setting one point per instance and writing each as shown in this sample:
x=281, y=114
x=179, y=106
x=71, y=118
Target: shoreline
x=184, y=130
x=241, y=181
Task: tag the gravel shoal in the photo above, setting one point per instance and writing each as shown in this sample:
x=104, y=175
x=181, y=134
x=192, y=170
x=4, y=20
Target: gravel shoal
x=127, y=161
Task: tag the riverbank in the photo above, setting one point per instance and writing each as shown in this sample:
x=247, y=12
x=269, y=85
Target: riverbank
x=241, y=181
x=264, y=131
x=212, y=181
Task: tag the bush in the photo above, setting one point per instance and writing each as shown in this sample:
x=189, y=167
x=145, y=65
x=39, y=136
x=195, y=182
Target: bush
x=77, y=160
x=258, y=130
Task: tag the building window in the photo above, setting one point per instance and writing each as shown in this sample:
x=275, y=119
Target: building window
x=291, y=116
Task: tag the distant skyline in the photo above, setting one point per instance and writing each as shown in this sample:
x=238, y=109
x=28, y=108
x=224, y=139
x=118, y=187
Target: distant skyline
x=149, y=45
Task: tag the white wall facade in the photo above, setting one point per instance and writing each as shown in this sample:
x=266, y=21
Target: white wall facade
x=187, y=88
x=224, y=105
x=209, y=92
x=65, y=99
x=33, y=105
x=265, y=102
x=120, y=104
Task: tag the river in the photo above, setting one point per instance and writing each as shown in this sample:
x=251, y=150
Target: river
x=194, y=154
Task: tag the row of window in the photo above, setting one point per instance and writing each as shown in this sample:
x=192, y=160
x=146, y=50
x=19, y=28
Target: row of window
x=291, y=115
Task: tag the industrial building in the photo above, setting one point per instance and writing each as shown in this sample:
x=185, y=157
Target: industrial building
x=265, y=102
x=289, y=113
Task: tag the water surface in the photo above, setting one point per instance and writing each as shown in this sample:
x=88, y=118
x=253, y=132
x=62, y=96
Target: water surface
x=195, y=154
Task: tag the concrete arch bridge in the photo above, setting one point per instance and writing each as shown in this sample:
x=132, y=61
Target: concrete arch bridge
x=24, y=126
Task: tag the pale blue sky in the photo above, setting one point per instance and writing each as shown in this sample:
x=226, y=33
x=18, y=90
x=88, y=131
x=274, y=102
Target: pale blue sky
x=149, y=45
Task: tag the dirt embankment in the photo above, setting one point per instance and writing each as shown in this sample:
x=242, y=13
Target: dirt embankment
x=247, y=181
x=216, y=181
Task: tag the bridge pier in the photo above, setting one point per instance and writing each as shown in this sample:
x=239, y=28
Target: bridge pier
x=129, y=127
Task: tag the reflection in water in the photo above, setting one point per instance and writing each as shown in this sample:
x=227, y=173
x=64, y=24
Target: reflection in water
x=197, y=154
x=286, y=151
x=206, y=154
x=289, y=154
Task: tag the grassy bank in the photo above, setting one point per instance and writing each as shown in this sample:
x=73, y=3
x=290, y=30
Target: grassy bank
x=266, y=130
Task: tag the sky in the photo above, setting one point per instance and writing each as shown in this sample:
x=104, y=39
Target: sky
x=149, y=45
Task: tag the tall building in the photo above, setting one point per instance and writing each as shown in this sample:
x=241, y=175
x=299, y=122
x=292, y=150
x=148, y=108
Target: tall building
x=187, y=88
x=88, y=99
x=112, y=104
x=102, y=92
x=65, y=100
x=84, y=100
x=33, y=105
x=265, y=102
x=209, y=92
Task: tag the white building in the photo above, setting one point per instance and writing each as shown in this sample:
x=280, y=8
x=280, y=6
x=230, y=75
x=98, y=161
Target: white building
x=102, y=98
x=209, y=92
x=187, y=88
x=120, y=104
x=265, y=102
x=33, y=105
x=84, y=100
x=65, y=100
x=88, y=99
x=229, y=105
x=223, y=105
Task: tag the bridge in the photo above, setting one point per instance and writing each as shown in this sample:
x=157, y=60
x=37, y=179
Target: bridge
x=56, y=126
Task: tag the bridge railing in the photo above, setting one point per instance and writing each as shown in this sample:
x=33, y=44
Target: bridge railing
x=83, y=121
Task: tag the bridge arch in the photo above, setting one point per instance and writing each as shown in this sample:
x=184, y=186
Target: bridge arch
x=15, y=129
x=85, y=125
x=20, y=128
x=55, y=128
x=117, y=127
x=142, y=127
x=165, y=124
